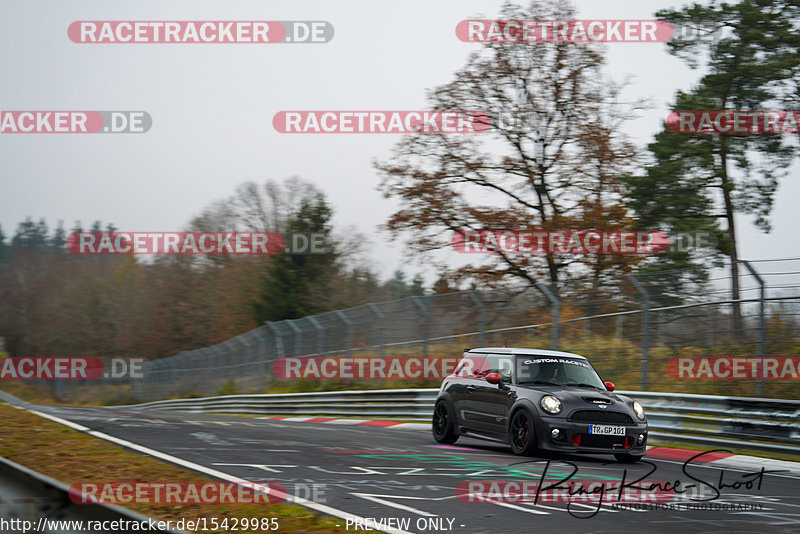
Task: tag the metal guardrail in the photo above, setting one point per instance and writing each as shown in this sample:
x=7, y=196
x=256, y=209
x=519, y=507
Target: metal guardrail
x=26, y=495
x=408, y=404
x=760, y=424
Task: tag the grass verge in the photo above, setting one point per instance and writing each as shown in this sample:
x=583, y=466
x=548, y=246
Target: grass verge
x=71, y=457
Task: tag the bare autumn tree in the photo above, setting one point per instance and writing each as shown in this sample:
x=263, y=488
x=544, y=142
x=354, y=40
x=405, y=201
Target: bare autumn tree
x=552, y=159
x=290, y=285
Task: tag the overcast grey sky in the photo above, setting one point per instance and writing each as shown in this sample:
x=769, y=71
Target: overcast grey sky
x=212, y=107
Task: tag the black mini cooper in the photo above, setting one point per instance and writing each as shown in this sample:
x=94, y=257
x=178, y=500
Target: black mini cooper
x=538, y=399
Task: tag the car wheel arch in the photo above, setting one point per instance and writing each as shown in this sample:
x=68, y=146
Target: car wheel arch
x=445, y=395
x=521, y=404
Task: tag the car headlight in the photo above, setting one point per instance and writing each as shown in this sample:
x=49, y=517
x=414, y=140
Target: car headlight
x=550, y=404
x=638, y=409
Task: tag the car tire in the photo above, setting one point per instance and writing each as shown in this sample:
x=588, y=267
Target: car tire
x=522, y=433
x=443, y=424
x=625, y=458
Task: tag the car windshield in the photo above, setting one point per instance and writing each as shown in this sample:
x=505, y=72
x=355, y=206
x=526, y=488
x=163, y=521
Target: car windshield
x=557, y=371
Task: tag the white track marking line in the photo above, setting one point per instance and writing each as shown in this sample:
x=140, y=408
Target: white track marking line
x=377, y=498
x=213, y=472
x=526, y=509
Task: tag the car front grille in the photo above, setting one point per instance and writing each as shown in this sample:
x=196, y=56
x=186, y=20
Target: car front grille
x=597, y=416
x=603, y=442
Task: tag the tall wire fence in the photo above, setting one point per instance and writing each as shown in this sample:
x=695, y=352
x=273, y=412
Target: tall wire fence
x=632, y=330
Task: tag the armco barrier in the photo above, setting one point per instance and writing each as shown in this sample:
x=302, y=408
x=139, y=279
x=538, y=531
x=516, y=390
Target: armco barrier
x=707, y=420
x=408, y=404
x=26, y=495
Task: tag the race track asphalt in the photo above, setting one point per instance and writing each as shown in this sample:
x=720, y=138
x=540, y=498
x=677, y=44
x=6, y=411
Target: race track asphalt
x=382, y=473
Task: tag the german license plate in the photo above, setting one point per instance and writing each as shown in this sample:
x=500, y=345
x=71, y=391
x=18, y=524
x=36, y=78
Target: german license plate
x=607, y=430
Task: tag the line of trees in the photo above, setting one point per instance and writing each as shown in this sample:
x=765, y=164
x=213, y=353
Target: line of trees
x=54, y=303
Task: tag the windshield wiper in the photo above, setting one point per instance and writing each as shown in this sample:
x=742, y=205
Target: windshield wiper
x=540, y=382
x=582, y=385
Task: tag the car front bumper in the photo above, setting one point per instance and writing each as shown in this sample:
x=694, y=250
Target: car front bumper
x=567, y=441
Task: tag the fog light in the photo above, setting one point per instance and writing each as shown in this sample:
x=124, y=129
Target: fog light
x=641, y=439
x=556, y=433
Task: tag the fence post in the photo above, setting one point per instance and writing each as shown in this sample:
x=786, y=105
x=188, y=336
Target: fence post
x=245, y=371
x=320, y=333
x=295, y=336
x=481, y=316
x=348, y=324
x=262, y=352
x=762, y=325
x=427, y=314
x=278, y=339
x=382, y=332
x=219, y=364
x=556, y=303
x=645, y=327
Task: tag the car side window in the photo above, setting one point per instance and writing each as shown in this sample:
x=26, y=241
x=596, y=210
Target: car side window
x=500, y=363
x=471, y=366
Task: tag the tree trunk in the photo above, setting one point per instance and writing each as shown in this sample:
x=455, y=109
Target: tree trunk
x=732, y=252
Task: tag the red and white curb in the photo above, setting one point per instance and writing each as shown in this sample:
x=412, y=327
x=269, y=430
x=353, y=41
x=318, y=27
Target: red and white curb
x=715, y=459
x=725, y=460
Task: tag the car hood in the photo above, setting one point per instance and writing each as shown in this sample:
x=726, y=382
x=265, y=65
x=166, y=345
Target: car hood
x=566, y=392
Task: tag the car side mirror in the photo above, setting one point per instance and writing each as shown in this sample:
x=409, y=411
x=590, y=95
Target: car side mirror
x=494, y=378
x=610, y=386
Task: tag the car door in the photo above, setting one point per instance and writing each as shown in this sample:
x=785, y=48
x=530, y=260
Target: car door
x=463, y=386
x=490, y=403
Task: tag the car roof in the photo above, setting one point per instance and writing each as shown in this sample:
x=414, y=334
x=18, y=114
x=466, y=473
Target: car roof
x=527, y=352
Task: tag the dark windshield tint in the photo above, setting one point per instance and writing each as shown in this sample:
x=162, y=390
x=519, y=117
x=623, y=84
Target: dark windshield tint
x=557, y=370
